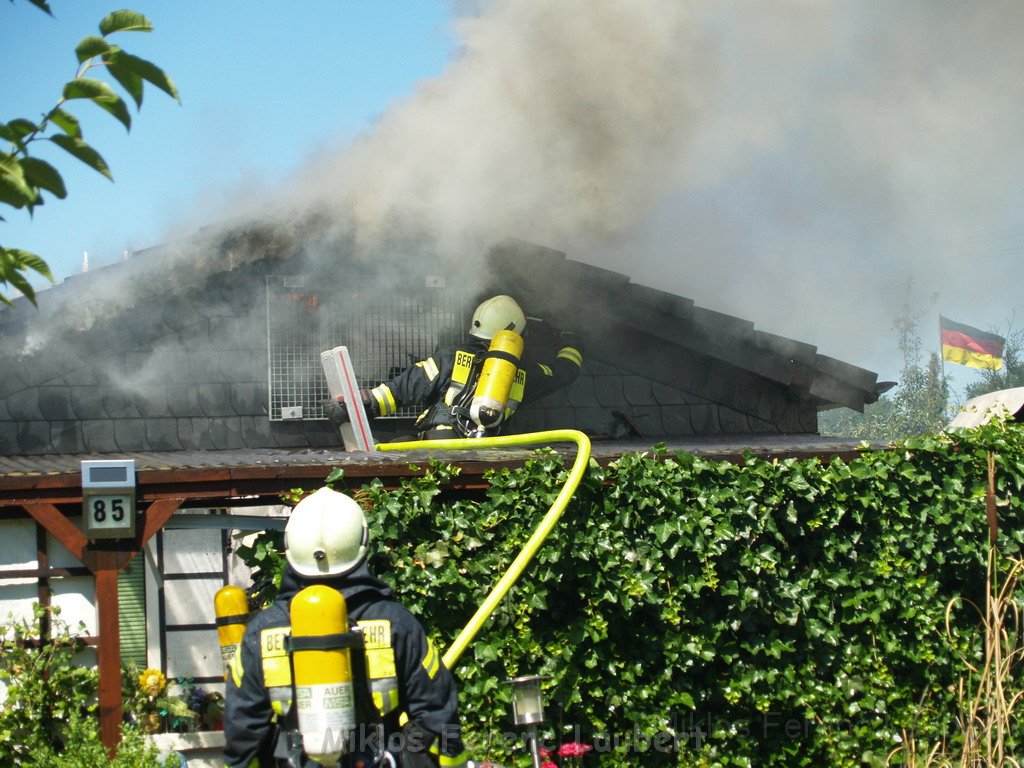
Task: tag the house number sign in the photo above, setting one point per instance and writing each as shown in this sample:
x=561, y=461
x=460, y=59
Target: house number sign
x=108, y=499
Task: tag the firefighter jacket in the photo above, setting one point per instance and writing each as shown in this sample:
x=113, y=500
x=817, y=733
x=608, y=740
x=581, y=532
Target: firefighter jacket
x=406, y=676
x=444, y=379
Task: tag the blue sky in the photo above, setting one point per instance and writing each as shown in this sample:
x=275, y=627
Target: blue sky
x=263, y=85
x=789, y=163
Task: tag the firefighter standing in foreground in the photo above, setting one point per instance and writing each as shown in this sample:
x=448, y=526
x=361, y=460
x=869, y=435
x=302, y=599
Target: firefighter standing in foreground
x=326, y=543
x=446, y=381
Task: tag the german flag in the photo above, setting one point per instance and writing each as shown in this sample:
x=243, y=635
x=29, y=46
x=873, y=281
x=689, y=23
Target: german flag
x=965, y=345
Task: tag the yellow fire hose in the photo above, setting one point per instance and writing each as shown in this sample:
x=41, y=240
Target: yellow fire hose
x=535, y=541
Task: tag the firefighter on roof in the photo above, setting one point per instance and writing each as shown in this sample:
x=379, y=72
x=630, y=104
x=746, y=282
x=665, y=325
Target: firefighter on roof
x=326, y=543
x=451, y=382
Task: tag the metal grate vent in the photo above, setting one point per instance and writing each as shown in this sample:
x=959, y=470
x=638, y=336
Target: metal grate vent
x=385, y=333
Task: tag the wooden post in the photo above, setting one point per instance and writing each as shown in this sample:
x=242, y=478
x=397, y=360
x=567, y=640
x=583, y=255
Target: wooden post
x=109, y=651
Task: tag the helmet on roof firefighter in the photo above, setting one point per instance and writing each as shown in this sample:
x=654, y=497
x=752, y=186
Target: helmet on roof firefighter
x=498, y=313
x=326, y=535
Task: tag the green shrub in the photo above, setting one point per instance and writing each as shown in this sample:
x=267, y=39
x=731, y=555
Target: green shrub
x=49, y=716
x=84, y=749
x=691, y=611
x=45, y=688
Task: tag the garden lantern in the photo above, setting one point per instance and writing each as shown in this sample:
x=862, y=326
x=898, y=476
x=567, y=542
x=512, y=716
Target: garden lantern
x=528, y=709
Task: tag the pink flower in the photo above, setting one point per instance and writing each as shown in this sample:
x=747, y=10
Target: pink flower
x=573, y=749
x=548, y=764
x=544, y=752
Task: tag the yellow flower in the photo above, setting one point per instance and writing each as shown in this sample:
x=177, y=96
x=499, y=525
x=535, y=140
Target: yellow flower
x=152, y=682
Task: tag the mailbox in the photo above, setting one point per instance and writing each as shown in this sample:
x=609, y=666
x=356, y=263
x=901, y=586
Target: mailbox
x=108, y=499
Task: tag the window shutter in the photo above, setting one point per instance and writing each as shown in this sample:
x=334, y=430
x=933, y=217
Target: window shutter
x=131, y=596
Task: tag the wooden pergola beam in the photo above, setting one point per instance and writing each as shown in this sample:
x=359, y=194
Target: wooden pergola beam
x=66, y=532
x=156, y=517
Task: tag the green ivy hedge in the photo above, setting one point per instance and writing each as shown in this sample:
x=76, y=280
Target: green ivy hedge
x=698, y=612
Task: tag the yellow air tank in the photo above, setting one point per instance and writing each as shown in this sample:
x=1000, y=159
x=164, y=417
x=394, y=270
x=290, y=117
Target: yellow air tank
x=323, y=677
x=231, y=607
x=499, y=371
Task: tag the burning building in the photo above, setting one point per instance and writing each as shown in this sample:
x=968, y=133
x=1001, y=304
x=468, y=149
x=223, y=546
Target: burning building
x=231, y=361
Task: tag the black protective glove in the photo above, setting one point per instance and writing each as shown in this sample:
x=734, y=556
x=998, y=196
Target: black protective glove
x=569, y=339
x=336, y=410
x=416, y=747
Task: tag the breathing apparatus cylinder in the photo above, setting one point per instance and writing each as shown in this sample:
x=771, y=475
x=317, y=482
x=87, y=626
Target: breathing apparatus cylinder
x=324, y=695
x=499, y=371
x=231, y=607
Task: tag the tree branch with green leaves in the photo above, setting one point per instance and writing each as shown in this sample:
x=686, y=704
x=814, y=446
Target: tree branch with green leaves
x=26, y=179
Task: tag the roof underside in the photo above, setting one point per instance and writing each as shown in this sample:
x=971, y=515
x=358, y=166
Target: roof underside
x=256, y=477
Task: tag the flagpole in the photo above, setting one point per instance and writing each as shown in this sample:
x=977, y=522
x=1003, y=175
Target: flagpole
x=942, y=357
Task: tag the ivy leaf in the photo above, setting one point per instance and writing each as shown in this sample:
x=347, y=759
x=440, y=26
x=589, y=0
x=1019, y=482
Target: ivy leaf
x=124, y=21
x=101, y=94
x=78, y=148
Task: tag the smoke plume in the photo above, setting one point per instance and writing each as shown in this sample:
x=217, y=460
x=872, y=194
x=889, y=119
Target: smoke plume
x=554, y=120
x=788, y=162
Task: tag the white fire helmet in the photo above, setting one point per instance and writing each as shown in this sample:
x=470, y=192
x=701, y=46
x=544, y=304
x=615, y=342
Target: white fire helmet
x=498, y=313
x=326, y=535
